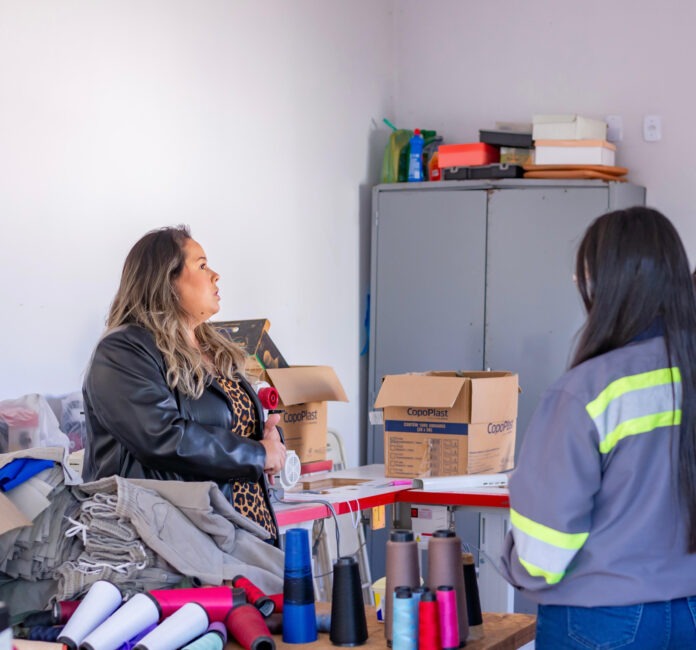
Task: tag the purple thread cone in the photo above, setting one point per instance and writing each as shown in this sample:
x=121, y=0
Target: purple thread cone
x=129, y=645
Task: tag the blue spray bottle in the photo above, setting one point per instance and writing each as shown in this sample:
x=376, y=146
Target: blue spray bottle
x=415, y=157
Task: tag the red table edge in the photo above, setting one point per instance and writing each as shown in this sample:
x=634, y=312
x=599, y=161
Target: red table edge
x=471, y=499
x=307, y=510
x=320, y=511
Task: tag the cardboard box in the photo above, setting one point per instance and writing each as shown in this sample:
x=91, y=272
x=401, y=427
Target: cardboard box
x=568, y=127
x=448, y=423
x=303, y=392
x=253, y=336
x=516, y=156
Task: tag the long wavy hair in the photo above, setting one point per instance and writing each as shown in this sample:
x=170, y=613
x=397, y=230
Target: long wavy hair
x=147, y=297
x=633, y=273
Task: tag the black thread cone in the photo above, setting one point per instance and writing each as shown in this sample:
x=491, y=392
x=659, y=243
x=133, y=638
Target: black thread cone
x=348, y=622
x=473, y=603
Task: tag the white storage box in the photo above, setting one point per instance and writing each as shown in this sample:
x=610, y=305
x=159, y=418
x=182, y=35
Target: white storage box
x=574, y=152
x=568, y=127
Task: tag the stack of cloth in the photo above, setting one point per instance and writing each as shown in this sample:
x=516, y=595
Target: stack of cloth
x=59, y=535
x=35, y=497
x=112, y=550
x=147, y=534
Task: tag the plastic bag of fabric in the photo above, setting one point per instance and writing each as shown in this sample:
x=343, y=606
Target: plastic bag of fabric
x=72, y=420
x=27, y=422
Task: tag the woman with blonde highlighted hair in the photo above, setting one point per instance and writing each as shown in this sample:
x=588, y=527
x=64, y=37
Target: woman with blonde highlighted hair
x=165, y=393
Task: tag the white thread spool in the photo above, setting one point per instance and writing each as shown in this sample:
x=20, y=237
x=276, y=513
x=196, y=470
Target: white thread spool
x=102, y=599
x=187, y=623
x=139, y=613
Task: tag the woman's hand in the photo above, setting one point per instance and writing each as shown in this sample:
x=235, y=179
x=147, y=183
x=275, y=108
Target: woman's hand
x=275, y=449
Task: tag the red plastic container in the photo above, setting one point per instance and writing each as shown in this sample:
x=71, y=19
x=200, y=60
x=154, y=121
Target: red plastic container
x=467, y=155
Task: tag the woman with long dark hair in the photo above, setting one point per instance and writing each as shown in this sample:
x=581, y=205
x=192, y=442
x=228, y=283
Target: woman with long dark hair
x=165, y=394
x=603, y=500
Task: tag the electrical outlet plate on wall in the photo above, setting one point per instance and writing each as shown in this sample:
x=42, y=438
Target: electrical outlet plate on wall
x=652, y=128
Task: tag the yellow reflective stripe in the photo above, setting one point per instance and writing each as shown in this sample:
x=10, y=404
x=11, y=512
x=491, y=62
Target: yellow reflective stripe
x=538, y=572
x=569, y=541
x=630, y=383
x=639, y=425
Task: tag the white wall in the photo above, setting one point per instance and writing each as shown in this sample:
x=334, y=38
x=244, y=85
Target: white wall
x=462, y=65
x=252, y=122
x=255, y=124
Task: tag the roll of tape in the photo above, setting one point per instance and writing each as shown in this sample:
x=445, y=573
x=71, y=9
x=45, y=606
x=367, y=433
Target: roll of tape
x=290, y=473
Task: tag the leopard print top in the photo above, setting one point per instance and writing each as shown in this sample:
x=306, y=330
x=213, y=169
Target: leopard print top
x=247, y=497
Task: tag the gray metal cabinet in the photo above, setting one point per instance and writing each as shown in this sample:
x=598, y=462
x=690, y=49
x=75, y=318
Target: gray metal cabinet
x=474, y=275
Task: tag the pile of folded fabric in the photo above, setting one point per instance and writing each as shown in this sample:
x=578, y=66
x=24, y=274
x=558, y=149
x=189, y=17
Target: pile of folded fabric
x=110, y=550
x=58, y=535
x=35, y=498
x=146, y=534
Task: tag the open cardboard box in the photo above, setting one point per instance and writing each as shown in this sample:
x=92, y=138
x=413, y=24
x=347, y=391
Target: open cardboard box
x=449, y=423
x=253, y=336
x=304, y=392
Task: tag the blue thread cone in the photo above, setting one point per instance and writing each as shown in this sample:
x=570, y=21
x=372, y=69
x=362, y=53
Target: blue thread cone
x=299, y=615
x=404, y=630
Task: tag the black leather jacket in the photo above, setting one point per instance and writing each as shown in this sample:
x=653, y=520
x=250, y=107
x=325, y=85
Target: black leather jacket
x=138, y=427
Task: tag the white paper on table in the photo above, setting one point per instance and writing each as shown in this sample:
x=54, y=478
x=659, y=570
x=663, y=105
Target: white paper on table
x=461, y=482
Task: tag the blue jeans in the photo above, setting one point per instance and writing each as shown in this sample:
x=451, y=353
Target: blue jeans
x=669, y=625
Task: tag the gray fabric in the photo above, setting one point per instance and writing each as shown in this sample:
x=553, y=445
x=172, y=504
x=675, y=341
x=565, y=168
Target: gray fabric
x=101, y=547
x=25, y=596
x=33, y=552
x=112, y=550
x=195, y=530
x=29, y=556
x=140, y=534
x=211, y=547
x=207, y=507
x=73, y=581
